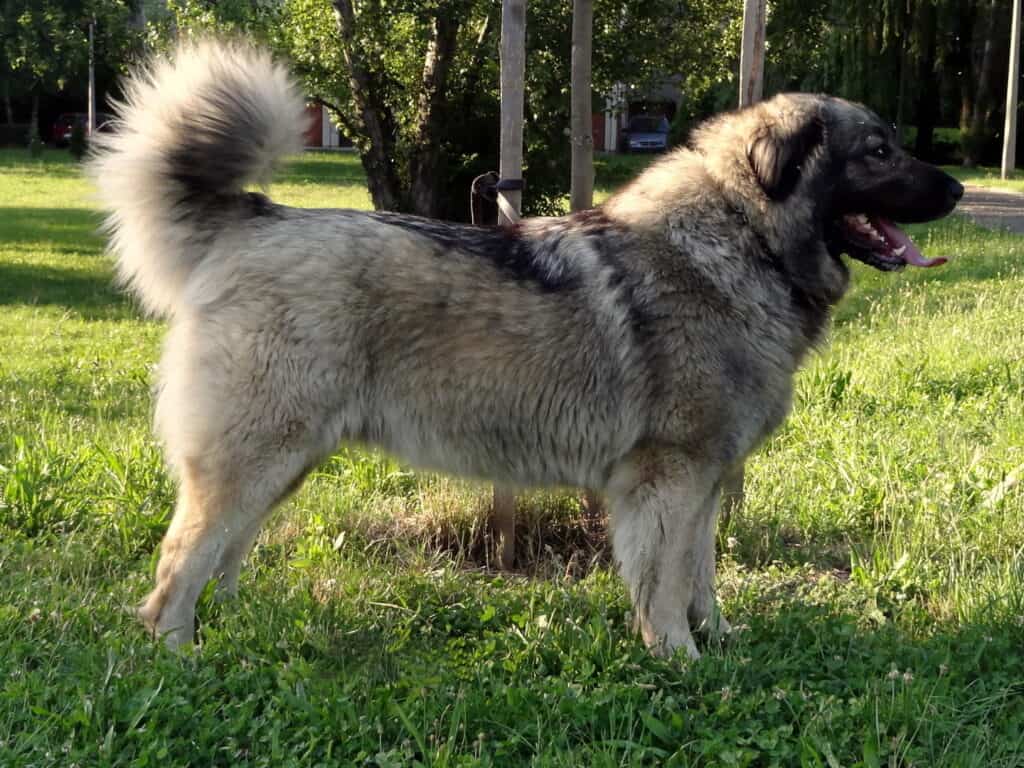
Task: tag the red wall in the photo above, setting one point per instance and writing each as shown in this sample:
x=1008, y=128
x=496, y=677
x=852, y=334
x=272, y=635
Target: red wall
x=315, y=132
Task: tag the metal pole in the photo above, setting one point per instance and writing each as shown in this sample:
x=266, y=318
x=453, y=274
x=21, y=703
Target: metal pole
x=1010, y=126
x=92, y=80
x=752, y=52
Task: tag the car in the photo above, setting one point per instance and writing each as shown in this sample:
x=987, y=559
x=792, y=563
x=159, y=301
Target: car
x=645, y=133
x=65, y=123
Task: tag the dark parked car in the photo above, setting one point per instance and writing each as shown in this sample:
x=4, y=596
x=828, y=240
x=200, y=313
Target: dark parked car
x=62, y=127
x=645, y=133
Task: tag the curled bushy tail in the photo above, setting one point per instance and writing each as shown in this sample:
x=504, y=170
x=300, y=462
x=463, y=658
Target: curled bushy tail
x=192, y=131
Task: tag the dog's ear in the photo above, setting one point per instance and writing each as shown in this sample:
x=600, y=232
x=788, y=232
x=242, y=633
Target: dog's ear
x=781, y=148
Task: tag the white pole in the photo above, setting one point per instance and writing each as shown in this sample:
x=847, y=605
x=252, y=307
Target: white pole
x=92, y=81
x=1010, y=126
x=752, y=52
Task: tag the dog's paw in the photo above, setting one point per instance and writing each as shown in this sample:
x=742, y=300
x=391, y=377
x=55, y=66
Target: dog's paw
x=666, y=644
x=715, y=627
x=175, y=635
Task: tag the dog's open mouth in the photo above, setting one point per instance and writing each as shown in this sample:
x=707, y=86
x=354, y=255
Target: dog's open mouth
x=880, y=243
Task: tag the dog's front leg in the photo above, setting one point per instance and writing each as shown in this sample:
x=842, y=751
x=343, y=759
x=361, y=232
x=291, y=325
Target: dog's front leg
x=704, y=613
x=660, y=519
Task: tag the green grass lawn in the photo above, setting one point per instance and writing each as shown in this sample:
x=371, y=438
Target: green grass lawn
x=877, y=570
x=984, y=176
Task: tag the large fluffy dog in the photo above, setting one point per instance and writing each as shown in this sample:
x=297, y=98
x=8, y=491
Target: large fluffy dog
x=643, y=348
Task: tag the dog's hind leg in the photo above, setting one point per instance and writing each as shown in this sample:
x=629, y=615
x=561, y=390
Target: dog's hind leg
x=284, y=474
x=221, y=505
x=659, y=504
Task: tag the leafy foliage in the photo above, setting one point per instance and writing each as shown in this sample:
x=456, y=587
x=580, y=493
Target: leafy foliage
x=638, y=44
x=45, y=43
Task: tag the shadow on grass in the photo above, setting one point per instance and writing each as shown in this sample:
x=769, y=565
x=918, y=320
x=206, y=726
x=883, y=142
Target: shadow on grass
x=64, y=230
x=92, y=296
x=808, y=665
x=54, y=163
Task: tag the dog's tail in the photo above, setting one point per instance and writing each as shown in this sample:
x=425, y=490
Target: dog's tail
x=193, y=129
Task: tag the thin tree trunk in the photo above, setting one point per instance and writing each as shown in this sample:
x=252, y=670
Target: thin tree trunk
x=904, y=84
x=982, y=101
x=8, y=108
x=427, y=162
x=901, y=98
x=377, y=122
x=513, y=73
x=927, y=83
x=752, y=52
x=964, y=62
x=476, y=68
x=581, y=187
x=33, y=121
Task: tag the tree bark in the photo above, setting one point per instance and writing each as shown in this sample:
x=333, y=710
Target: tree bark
x=476, y=67
x=982, y=110
x=927, y=83
x=377, y=122
x=964, y=61
x=427, y=162
x=8, y=109
x=33, y=121
x=581, y=186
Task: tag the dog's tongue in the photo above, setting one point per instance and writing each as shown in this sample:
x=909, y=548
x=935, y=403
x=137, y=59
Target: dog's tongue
x=897, y=238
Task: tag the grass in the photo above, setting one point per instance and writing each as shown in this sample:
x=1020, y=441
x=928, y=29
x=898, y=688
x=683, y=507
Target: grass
x=984, y=176
x=878, y=566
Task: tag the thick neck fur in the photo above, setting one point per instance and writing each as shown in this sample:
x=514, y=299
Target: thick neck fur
x=713, y=180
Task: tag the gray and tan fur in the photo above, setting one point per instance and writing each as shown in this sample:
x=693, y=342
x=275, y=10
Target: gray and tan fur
x=643, y=348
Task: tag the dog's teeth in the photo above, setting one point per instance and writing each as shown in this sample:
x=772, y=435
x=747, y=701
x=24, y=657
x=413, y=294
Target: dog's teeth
x=899, y=251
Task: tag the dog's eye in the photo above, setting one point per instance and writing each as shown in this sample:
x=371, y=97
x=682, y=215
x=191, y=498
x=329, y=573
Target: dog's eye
x=882, y=151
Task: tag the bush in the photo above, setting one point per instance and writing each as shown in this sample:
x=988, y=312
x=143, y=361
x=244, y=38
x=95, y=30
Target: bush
x=14, y=135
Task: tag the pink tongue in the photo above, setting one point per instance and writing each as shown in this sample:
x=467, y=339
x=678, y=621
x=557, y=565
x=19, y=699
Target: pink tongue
x=895, y=237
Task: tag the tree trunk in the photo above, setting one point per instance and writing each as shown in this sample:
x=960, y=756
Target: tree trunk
x=8, y=109
x=752, y=52
x=427, y=163
x=963, y=61
x=982, y=110
x=476, y=67
x=33, y=121
x=377, y=122
x=581, y=186
x=927, y=83
x=904, y=81
x=901, y=97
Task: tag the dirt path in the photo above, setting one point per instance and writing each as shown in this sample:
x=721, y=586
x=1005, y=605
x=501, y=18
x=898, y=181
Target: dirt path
x=993, y=208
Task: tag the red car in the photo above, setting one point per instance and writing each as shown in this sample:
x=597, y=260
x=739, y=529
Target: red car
x=61, y=134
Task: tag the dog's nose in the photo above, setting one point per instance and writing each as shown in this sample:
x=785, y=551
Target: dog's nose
x=956, y=189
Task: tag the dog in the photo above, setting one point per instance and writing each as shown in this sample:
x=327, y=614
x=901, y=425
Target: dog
x=643, y=348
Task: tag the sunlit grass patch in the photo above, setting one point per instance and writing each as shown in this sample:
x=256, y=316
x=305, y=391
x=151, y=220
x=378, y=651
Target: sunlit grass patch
x=876, y=573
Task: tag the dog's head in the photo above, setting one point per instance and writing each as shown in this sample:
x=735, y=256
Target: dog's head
x=844, y=160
